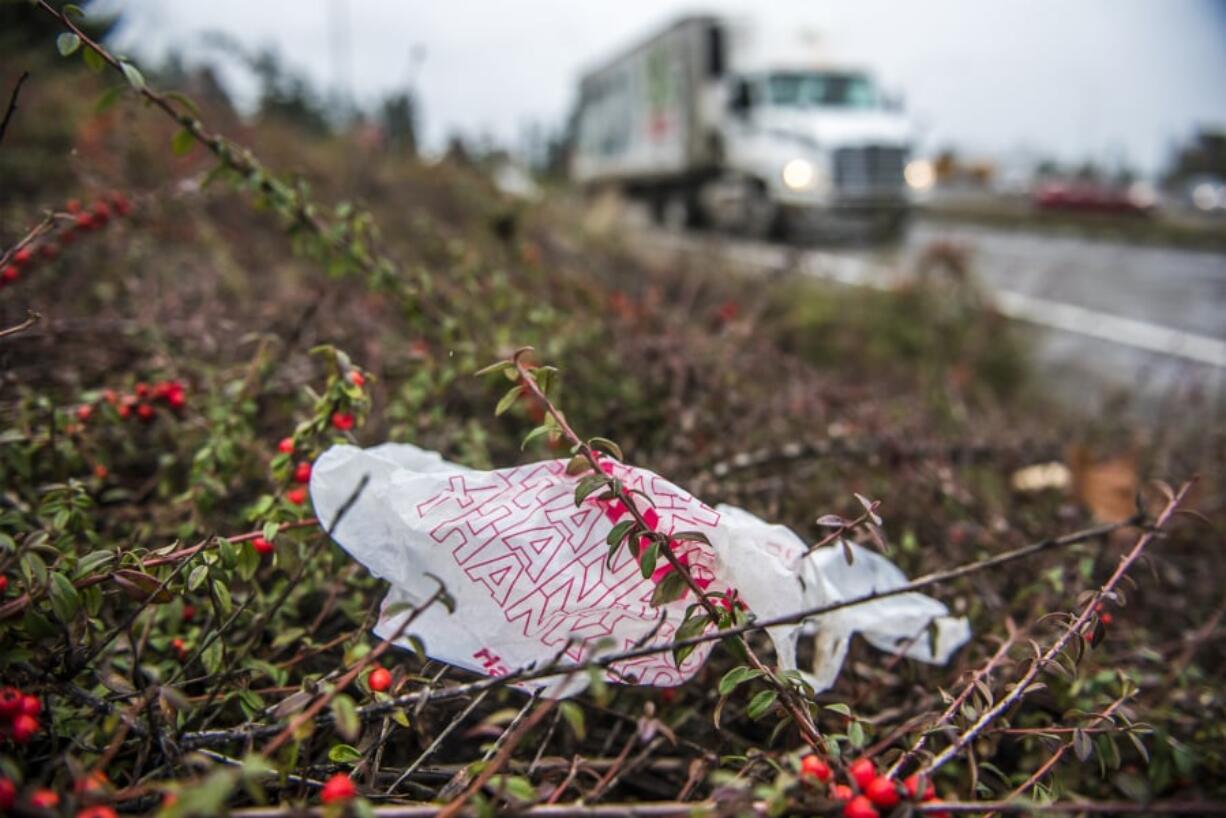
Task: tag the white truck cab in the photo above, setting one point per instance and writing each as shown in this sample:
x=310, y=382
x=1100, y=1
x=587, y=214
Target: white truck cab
x=708, y=126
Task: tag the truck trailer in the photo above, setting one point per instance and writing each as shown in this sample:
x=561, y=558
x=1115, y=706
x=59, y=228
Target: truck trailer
x=707, y=126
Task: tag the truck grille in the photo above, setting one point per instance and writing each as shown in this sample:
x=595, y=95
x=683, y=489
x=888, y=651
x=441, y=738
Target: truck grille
x=869, y=169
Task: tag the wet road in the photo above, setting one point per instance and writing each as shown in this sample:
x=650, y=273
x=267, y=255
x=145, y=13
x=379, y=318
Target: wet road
x=1108, y=317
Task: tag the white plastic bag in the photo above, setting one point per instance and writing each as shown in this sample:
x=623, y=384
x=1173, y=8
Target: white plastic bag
x=528, y=572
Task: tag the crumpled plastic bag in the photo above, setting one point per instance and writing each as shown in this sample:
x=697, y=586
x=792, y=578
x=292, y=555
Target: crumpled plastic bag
x=528, y=573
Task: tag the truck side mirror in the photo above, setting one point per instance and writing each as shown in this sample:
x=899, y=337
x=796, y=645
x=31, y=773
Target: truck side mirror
x=741, y=100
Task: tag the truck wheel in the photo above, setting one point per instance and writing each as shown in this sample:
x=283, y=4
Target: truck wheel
x=761, y=216
x=675, y=213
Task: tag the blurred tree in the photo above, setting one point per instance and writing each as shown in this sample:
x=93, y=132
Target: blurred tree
x=398, y=117
x=287, y=96
x=1205, y=155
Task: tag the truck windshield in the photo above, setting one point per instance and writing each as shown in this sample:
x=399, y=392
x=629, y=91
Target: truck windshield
x=809, y=89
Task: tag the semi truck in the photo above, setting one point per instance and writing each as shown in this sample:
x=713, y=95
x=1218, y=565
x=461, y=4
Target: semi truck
x=708, y=124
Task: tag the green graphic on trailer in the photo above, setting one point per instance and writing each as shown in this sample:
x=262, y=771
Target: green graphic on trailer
x=661, y=92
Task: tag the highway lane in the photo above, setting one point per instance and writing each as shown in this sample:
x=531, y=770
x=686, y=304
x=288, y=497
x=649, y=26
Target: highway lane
x=1110, y=317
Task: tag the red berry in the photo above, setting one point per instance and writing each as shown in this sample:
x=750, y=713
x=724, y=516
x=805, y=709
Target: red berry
x=859, y=807
x=338, y=788
x=342, y=420
x=84, y=411
x=50, y=250
x=122, y=206
x=189, y=612
x=862, y=772
x=8, y=793
x=142, y=390
x=91, y=782
x=44, y=799
x=31, y=705
x=262, y=546
x=296, y=496
x=145, y=412
x=24, y=727
x=841, y=792
x=102, y=213
x=911, y=785
x=379, y=679
x=4, y=583
x=882, y=792
x=101, y=471
x=302, y=473
x=176, y=398
x=110, y=396
x=98, y=811
x=813, y=766
x=22, y=256
x=10, y=273
x=357, y=379
x=73, y=206
x=1106, y=618
x=84, y=221
x=286, y=446
x=124, y=410
x=10, y=702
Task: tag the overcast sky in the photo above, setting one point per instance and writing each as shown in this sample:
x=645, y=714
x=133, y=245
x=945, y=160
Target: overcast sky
x=1110, y=79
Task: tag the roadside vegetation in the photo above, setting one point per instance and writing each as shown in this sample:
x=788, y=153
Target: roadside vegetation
x=196, y=304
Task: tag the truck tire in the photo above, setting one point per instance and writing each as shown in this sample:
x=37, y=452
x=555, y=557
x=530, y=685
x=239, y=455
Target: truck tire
x=676, y=210
x=761, y=218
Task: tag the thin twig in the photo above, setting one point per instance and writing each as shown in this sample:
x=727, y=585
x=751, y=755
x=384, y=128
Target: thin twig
x=32, y=318
x=8, y=114
x=1022, y=686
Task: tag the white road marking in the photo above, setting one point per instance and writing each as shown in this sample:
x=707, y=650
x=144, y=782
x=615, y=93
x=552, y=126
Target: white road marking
x=1059, y=315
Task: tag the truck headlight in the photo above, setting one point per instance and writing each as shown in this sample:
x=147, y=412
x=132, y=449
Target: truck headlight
x=799, y=174
x=920, y=174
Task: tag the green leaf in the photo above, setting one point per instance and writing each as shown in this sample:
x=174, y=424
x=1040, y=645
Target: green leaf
x=213, y=656
x=574, y=717
x=619, y=532
x=508, y=400
x=222, y=591
x=67, y=43
x=346, y=714
x=855, y=734
x=691, y=627
x=92, y=561
x=609, y=446
x=737, y=677
x=182, y=142
x=517, y=787
x=588, y=486
x=197, y=577
x=135, y=78
x=690, y=536
x=72, y=10
x=93, y=60
x=840, y=708
x=670, y=589
x=761, y=704
x=344, y=754
x=495, y=367
x=539, y=431
x=65, y=600
x=34, y=570
x=647, y=558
